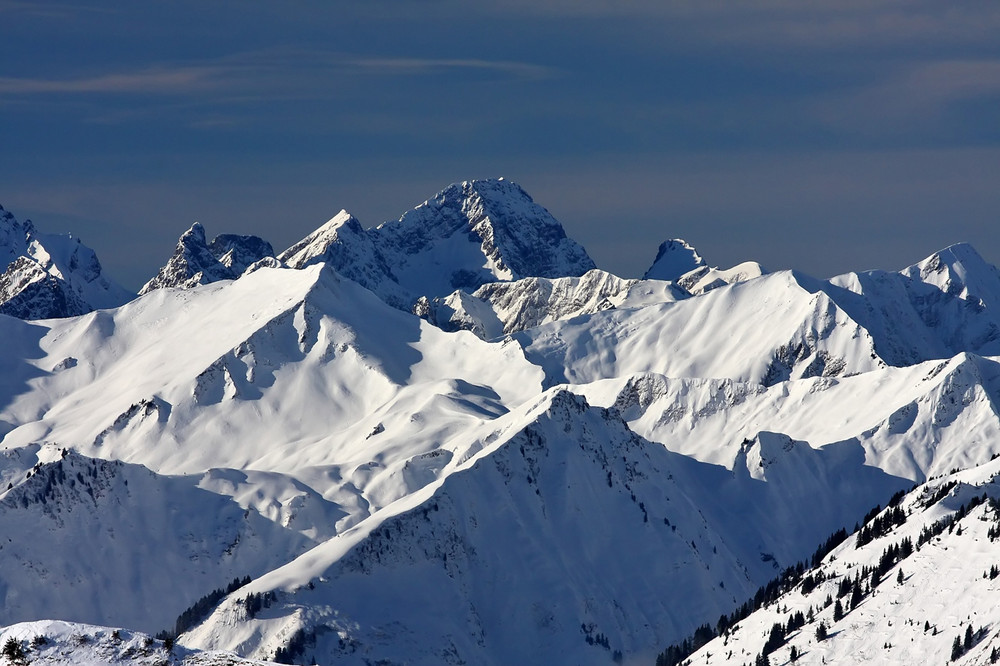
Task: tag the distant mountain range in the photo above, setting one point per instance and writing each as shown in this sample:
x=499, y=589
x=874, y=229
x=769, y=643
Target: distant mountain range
x=452, y=439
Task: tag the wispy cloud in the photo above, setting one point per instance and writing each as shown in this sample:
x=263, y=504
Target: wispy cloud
x=157, y=80
x=422, y=65
x=276, y=70
x=913, y=97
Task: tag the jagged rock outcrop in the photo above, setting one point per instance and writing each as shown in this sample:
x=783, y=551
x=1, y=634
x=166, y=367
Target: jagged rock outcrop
x=48, y=275
x=196, y=261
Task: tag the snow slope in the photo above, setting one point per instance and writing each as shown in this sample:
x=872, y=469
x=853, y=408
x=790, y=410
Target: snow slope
x=114, y=543
x=912, y=602
x=674, y=258
x=782, y=326
x=943, y=305
x=76, y=644
x=553, y=465
x=188, y=381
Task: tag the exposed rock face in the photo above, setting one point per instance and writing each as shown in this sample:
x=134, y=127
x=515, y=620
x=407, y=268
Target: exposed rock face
x=196, y=261
x=345, y=246
x=49, y=275
x=477, y=232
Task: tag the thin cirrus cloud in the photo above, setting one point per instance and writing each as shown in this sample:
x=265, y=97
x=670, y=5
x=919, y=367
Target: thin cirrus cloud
x=418, y=65
x=912, y=97
x=158, y=80
x=251, y=70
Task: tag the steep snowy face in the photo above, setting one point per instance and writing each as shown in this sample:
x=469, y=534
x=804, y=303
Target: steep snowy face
x=476, y=232
x=502, y=308
x=451, y=563
x=764, y=331
x=944, y=305
x=49, y=276
x=195, y=261
x=114, y=543
x=916, y=584
x=674, y=258
x=491, y=537
x=304, y=377
x=344, y=245
x=679, y=262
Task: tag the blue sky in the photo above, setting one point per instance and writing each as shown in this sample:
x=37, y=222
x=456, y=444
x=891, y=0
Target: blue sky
x=823, y=136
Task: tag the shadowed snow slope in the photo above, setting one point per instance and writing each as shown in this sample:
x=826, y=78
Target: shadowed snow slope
x=560, y=528
x=925, y=580
x=114, y=543
x=946, y=304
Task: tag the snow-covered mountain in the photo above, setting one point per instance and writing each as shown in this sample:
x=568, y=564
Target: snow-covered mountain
x=542, y=463
x=915, y=584
x=503, y=308
x=677, y=261
x=469, y=234
x=50, y=275
x=476, y=232
x=196, y=261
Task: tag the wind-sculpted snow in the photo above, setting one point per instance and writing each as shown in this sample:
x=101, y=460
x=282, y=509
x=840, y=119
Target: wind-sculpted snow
x=48, y=276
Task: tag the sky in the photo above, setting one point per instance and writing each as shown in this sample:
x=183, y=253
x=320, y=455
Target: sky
x=825, y=136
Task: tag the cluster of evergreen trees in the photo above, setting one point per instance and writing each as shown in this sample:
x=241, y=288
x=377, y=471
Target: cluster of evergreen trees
x=880, y=525
x=766, y=595
x=948, y=522
x=200, y=609
x=256, y=601
x=873, y=526
x=296, y=647
x=960, y=647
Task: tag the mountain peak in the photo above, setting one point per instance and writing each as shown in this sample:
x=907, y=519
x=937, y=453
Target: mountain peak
x=674, y=258
x=475, y=232
x=50, y=275
x=196, y=261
